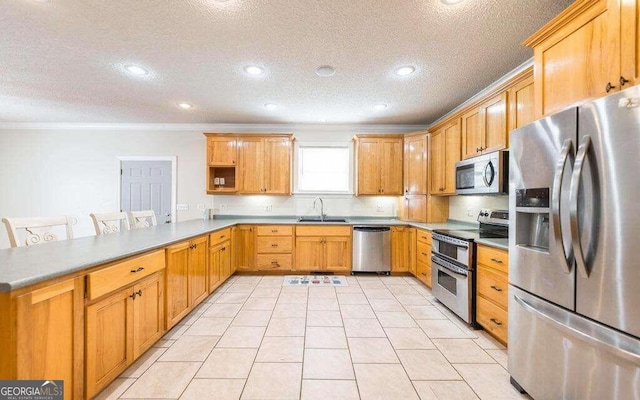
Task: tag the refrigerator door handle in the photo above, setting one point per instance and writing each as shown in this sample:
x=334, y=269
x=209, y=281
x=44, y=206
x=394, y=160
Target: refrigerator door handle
x=609, y=343
x=581, y=157
x=565, y=155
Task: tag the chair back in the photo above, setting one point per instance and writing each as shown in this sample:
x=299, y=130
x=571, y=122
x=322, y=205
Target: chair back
x=38, y=230
x=110, y=222
x=142, y=219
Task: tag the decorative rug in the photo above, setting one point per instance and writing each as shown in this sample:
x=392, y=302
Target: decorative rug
x=315, y=280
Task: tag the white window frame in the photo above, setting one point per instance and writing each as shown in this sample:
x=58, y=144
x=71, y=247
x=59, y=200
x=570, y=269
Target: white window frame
x=296, y=170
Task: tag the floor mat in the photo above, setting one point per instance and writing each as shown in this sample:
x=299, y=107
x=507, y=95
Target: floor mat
x=315, y=280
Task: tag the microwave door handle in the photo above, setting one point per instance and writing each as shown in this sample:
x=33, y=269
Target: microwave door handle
x=488, y=182
x=565, y=155
x=581, y=157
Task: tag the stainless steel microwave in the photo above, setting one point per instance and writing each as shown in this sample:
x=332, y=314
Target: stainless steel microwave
x=485, y=174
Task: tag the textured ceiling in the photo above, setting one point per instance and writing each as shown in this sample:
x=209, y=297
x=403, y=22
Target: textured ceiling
x=62, y=60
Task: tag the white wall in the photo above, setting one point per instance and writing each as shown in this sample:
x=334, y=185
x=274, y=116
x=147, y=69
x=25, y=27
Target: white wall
x=461, y=206
x=57, y=172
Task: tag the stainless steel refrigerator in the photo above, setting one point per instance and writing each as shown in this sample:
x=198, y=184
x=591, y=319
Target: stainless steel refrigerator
x=574, y=252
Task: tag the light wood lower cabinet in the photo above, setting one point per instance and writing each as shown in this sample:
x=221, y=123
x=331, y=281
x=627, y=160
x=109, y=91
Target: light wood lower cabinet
x=120, y=327
x=219, y=264
x=186, y=278
x=403, y=249
x=492, y=291
x=244, y=255
x=274, y=248
x=423, y=256
x=323, y=248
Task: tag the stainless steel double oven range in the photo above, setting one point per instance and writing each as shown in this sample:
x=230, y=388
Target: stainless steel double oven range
x=453, y=262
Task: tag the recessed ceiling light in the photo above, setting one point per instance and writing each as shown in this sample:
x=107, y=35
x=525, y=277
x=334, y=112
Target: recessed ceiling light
x=253, y=70
x=380, y=106
x=406, y=70
x=185, y=106
x=270, y=106
x=325, y=70
x=450, y=2
x=135, y=69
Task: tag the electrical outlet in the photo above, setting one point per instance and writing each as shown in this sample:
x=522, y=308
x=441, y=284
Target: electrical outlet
x=182, y=207
x=222, y=207
x=201, y=206
x=379, y=208
x=469, y=212
x=268, y=208
x=357, y=208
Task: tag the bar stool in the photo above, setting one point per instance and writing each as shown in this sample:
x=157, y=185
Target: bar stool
x=110, y=222
x=142, y=219
x=39, y=230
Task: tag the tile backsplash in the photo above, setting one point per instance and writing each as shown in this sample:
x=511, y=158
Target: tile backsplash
x=466, y=208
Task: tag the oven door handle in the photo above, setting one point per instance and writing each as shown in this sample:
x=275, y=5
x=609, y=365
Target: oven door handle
x=456, y=273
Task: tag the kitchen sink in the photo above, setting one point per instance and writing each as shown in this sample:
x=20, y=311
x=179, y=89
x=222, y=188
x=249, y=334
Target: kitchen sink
x=317, y=219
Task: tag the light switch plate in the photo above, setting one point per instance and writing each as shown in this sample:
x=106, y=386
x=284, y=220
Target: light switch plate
x=182, y=207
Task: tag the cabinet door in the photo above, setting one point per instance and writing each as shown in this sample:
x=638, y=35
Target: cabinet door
x=521, y=105
x=109, y=334
x=221, y=151
x=415, y=165
x=580, y=64
x=451, y=157
x=472, y=133
x=148, y=313
x=337, y=253
x=244, y=253
x=277, y=166
x=494, y=120
x=49, y=335
x=630, y=43
x=225, y=260
x=390, y=168
x=251, y=160
x=436, y=172
x=215, y=275
x=369, y=167
x=197, y=271
x=177, y=286
x=309, y=253
x=399, y=249
x=412, y=250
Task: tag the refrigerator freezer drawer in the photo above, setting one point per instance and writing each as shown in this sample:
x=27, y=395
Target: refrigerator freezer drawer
x=556, y=354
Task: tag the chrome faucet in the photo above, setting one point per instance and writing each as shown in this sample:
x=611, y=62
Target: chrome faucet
x=321, y=208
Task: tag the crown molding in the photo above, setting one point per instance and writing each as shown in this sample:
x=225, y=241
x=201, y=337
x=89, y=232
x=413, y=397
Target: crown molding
x=235, y=128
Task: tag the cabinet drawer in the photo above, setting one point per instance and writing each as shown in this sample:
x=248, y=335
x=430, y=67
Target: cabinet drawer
x=274, y=262
x=275, y=230
x=423, y=253
x=423, y=272
x=492, y=318
x=424, y=236
x=275, y=244
x=494, y=258
x=493, y=285
x=314, y=230
x=123, y=273
x=219, y=236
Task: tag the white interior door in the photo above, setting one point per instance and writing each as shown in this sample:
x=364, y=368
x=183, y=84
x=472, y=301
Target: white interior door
x=146, y=185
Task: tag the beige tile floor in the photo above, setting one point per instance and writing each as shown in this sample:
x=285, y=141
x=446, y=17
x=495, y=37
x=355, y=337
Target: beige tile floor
x=379, y=338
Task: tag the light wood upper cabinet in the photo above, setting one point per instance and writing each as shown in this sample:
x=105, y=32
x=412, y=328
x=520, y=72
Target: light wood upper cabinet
x=222, y=150
x=251, y=165
x=277, y=165
x=629, y=43
x=445, y=152
x=186, y=278
x=578, y=55
x=415, y=164
x=379, y=164
x=521, y=104
x=484, y=128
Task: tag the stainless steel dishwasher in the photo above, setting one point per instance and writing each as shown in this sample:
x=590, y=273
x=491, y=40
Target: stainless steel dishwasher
x=371, y=249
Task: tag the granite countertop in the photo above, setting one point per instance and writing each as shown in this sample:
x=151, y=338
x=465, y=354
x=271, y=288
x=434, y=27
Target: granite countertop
x=497, y=243
x=28, y=265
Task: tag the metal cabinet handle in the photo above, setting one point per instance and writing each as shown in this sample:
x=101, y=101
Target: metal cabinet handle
x=274, y=231
x=134, y=294
x=497, y=289
x=609, y=87
x=495, y=260
x=137, y=270
x=623, y=81
x=581, y=157
x=424, y=254
x=223, y=249
x=274, y=245
x=423, y=274
x=495, y=321
x=565, y=155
